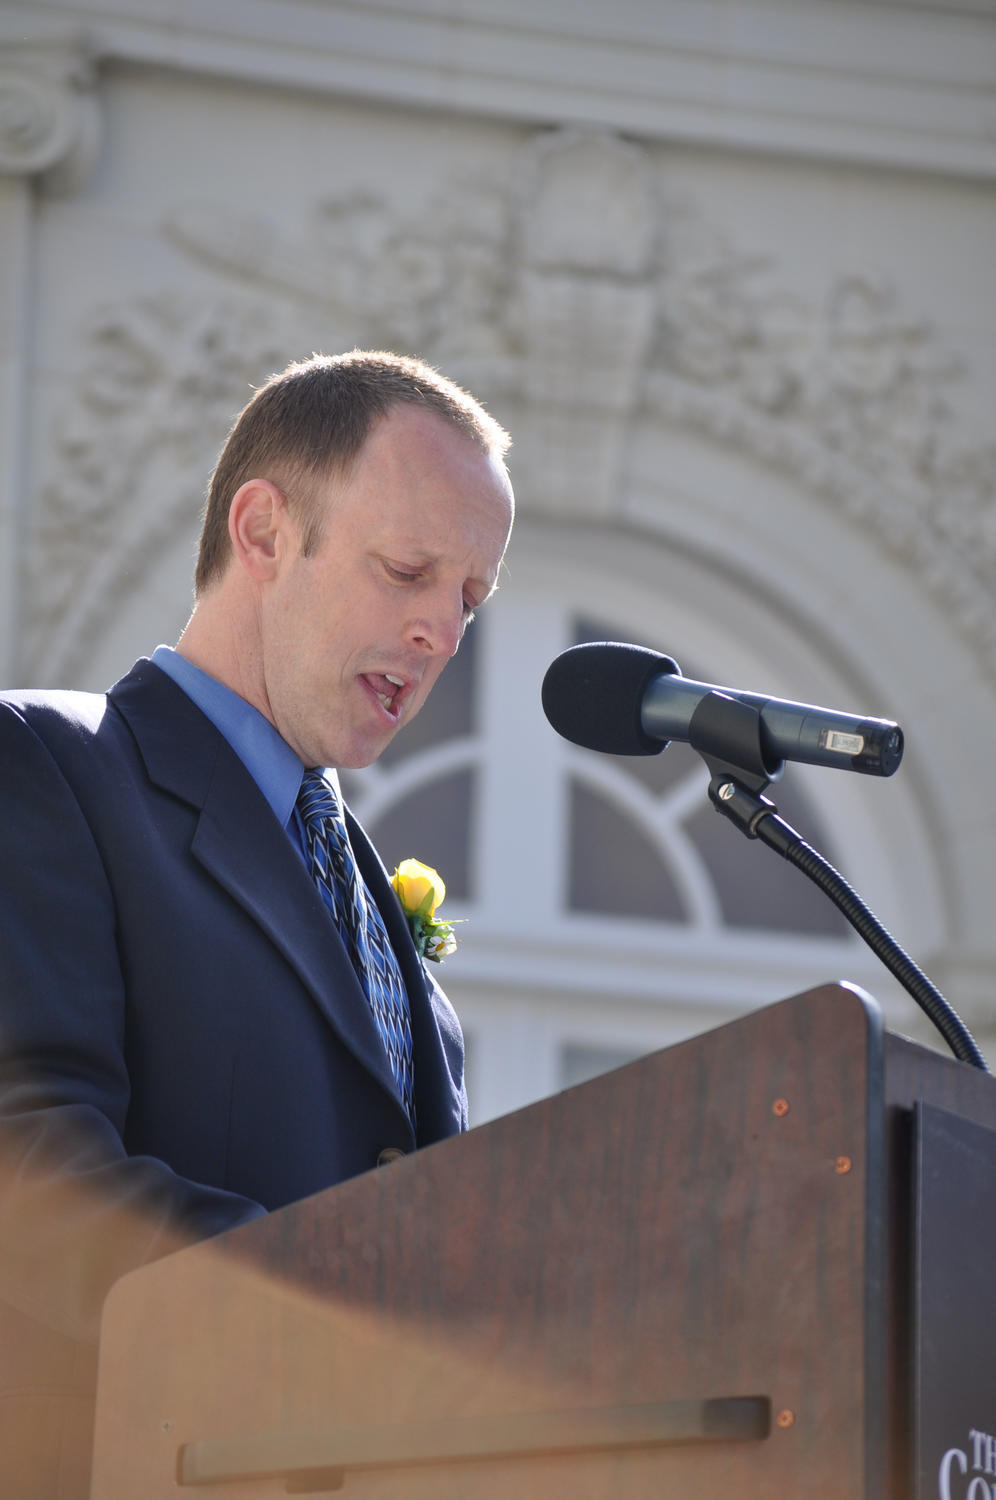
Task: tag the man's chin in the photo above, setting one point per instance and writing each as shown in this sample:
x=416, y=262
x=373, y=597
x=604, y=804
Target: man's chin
x=357, y=756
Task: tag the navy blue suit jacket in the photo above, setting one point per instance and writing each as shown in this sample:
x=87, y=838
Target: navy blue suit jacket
x=183, y=1041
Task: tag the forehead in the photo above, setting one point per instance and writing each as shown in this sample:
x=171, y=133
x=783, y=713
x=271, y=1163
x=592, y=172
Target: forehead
x=418, y=473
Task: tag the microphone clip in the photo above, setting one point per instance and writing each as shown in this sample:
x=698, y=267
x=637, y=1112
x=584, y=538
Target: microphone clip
x=726, y=732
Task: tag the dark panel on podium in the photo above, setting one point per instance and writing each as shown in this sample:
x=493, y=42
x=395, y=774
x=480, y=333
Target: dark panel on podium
x=954, y=1339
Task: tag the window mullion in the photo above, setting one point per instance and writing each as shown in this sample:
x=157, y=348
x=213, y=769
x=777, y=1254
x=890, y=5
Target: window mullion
x=521, y=812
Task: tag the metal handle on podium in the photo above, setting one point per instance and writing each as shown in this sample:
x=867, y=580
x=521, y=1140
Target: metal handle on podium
x=310, y=1462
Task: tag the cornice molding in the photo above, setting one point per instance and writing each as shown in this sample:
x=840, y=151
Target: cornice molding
x=901, y=85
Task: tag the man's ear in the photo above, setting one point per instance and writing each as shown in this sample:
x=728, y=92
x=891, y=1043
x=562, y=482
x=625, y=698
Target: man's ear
x=260, y=525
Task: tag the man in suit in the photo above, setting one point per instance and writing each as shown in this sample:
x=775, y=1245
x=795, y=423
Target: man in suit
x=190, y=1035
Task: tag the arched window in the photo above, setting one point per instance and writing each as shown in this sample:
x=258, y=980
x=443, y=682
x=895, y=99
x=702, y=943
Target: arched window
x=609, y=909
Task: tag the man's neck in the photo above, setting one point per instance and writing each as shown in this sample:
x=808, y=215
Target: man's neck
x=220, y=640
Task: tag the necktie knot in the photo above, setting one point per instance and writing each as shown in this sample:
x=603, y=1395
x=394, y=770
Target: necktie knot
x=316, y=799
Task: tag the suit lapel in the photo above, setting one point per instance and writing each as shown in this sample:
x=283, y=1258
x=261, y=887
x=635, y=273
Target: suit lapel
x=240, y=843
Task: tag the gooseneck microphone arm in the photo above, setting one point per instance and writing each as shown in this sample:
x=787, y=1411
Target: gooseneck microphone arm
x=726, y=733
x=626, y=700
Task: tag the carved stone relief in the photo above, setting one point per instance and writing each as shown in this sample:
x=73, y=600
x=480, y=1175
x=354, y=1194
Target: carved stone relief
x=133, y=449
x=849, y=397
x=575, y=299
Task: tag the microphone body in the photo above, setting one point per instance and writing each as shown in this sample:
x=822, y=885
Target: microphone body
x=627, y=700
x=789, y=731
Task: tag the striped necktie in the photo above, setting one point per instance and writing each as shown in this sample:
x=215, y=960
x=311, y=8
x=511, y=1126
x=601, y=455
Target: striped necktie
x=360, y=924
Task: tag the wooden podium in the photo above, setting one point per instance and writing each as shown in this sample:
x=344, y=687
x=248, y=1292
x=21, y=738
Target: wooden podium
x=721, y=1271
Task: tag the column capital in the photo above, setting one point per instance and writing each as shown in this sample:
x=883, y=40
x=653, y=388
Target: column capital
x=49, y=116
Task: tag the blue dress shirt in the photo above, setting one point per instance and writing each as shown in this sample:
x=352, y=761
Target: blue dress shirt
x=270, y=761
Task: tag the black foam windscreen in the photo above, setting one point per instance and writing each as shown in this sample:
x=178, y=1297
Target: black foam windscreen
x=593, y=696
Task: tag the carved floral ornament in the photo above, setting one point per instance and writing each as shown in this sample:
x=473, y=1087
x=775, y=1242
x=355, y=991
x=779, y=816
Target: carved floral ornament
x=48, y=110
x=575, y=299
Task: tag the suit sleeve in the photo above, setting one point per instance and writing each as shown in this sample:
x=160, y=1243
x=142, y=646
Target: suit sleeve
x=76, y=1211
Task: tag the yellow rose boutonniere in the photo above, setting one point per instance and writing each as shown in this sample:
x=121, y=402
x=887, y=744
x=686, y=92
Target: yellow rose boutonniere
x=420, y=891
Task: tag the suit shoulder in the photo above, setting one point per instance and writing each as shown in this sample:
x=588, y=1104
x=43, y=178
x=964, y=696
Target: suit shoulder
x=54, y=712
x=64, y=716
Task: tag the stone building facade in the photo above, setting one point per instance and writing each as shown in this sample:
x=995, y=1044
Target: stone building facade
x=725, y=270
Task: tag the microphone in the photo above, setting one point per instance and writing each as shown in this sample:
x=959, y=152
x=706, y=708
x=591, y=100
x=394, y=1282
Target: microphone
x=628, y=700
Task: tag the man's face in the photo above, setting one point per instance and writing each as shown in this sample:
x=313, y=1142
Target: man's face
x=354, y=637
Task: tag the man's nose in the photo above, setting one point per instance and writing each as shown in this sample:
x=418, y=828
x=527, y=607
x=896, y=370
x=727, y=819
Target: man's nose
x=439, y=629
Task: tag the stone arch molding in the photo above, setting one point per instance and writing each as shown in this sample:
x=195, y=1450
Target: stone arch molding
x=576, y=298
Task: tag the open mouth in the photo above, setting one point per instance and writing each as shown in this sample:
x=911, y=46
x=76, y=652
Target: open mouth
x=388, y=690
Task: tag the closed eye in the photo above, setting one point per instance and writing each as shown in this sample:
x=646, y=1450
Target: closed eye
x=473, y=604
x=402, y=575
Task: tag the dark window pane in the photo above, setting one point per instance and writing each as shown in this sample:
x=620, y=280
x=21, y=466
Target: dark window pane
x=755, y=886
x=614, y=868
x=432, y=824
x=658, y=773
